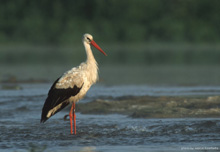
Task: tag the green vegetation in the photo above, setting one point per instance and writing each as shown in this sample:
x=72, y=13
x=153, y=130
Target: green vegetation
x=41, y=35
x=63, y=22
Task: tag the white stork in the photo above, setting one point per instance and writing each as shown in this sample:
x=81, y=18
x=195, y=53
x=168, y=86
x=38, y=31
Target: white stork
x=73, y=85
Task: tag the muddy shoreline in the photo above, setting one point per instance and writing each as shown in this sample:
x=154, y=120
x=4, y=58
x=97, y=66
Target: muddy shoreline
x=155, y=107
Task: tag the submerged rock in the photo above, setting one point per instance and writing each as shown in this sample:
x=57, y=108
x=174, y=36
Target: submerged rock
x=11, y=87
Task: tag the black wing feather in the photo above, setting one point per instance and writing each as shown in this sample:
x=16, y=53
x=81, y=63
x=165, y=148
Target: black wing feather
x=56, y=97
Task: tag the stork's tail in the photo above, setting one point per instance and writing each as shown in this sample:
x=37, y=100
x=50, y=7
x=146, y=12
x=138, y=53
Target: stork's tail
x=47, y=112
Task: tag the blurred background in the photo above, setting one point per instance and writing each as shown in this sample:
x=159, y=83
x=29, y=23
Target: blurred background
x=153, y=42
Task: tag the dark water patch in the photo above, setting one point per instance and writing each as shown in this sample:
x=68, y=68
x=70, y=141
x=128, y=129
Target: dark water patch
x=22, y=109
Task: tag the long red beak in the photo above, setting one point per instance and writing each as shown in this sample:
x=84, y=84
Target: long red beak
x=97, y=47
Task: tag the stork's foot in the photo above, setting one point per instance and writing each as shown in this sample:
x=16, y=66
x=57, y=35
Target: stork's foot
x=65, y=118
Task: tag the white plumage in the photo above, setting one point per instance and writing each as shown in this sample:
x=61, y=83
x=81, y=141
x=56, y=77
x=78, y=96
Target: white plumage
x=73, y=85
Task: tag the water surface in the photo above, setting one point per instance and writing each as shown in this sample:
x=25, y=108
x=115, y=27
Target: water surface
x=20, y=128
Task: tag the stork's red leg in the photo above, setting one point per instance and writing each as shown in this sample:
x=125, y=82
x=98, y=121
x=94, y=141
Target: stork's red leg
x=72, y=118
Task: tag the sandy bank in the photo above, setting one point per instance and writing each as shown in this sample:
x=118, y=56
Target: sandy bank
x=155, y=107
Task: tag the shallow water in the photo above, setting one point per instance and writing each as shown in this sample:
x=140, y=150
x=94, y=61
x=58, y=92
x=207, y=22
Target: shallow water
x=20, y=128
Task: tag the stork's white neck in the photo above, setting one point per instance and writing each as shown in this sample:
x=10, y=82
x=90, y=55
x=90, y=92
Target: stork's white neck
x=91, y=64
x=90, y=56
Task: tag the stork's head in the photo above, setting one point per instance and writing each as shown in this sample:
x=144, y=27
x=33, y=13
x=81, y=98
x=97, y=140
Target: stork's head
x=88, y=38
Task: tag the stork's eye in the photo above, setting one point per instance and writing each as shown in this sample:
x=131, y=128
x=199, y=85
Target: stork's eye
x=88, y=39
